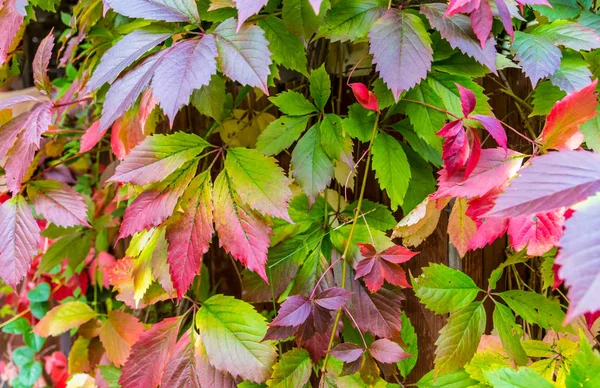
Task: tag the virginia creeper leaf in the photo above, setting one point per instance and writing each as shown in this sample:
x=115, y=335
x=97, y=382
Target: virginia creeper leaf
x=58, y=203
x=569, y=34
x=180, y=371
x=247, y=8
x=64, y=317
x=166, y=10
x=535, y=308
x=294, y=369
x=387, y=352
x=351, y=19
x=538, y=56
x=375, y=267
x=524, y=377
x=538, y=232
x=320, y=86
x=293, y=312
x=208, y=374
x=287, y=48
x=461, y=228
x=510, y=333
x=41, y=62
x=280, y=134
x=293, y=103
x=391, y=168
x=118, y=334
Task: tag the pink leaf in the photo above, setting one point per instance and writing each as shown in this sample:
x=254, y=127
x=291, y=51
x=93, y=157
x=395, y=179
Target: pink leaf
x=332, y=298
x=19, y=239
x=475, y=153
x=180, y=371
x=456, y=150
x=58, y=203
x=189, y=233
x=568, y=114
x=494, y=168
x=207, y=373
x=293, y=312
x=247, y=8
x=17, y=163
x=488, y=228
x=10, y=20
x=241, y=230
x=481, y=21
x=316, y=4
x=347, y=352
x=15, y=100
x=494, y=128
x=91, y=137
x=467, y=100
x=461, y=6
x=506, y=17
x=387, y=352
x=150, y=355
x=364, y=96
x=166, y=10
x=188, y=65
x=551, y=181
x=122, y=54
x=41, y=62
x=30, y=125
x=539, y=232
x=244, y=54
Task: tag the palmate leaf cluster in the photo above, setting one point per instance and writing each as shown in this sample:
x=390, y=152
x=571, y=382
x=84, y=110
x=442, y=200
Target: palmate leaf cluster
x=220, y=193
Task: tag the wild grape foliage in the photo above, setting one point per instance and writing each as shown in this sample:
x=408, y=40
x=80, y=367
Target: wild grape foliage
x=172, y=132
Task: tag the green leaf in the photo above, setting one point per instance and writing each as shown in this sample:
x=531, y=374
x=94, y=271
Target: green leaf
x=535, y=308
x=426, y=151
x=426, y=121
x=286, y=48
x=320, y=86
x=29, y=374
x=535, y=348
x=300, y=19
x=391, y=168
x=573, y=73
x=422, y=182
x=409, y=337
x=22, y=356
x=516, y=258
x=523, y=378
x=460, y=337
x=360, y=123
x=293, y=370
x=584, y=368
x=293, y=103
x=385, y=98
x=111, y=375
x=46, y=5
x=561, y=9
x=33, y=340
x=332, y=136
x=569, y=34
x=377, y=215
x=351, y=19
x=443, y=289
x=39, y=310
x=445, y=87
x=210, y=99
x=458, y=379
x=232, y=331
x=280, y=134
x=545, y=96
x=259, y=181
x=311, y=166
x=510, y=333
x=40, y=293
x=18, y=326
x=75, y=247
x=462, y=65
x=591, y=133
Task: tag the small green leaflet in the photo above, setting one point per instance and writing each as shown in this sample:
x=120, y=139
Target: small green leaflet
x=535, y=308
x=360, y=123
x=391, y=168
x=287, y=48
x=332, y=136
x=458, y=379
x=510, y=333
x=320, y=86
x=293, y=370
x=523, y=378
x=281, y=134
x=293, y=103
x=351, y=19
x=409, y=336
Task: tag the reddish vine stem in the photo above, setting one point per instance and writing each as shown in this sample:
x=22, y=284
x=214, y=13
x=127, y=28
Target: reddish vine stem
x=72, y=102
x=323, y=275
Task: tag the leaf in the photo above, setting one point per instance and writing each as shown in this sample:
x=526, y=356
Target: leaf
x=232, y=331
x=534, y=308
x=310, y=165
x=443, y=289
x=210, y=99
x=538, y=56
x=332, y=137
x=166, y=10
x=320, y=86
x=364, y=96
x=19, y=239
x=41, y=62
x=293, y=103
x=411, y=55
x=567, y=115
x=293, y=369
x=461, y=228
x=460, y=337
x=425, y=120
x=419, y=224
x=558, y=9
x=75, y=247
x=578, y=260
x=247, y=8
x=178, y=73
x=242, y=232
x=458, y=379
x=11, y=20
x=118, y=334
x=572, y=75
x=458, y=32
x=509, y=378
x=189, y=233
x=208, y=374
x=510, y=333
x=409, y=337
x=569, y=34
x=551, y=181
x=58, y=203
x=391, y=168
x=40, y=293
x=351, y=19
x=375, y=267
x=387, y=352
x=347, y=352
x=244, y=55
x=64, y=317
x=157, y=157
x=378, y=216
x=332, y=298
x=300, y=18
x=359, y=123
x=150, y=354
x=538, y=232
x=79, y=361
x=280, y=134
x=545, y=96
x=180, y=371
x=482, y=19
x=126, y=51
x=293, y=312
x=288, y=50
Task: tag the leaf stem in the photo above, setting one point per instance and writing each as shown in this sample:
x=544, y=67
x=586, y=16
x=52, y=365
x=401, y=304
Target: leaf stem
x=432, y=107
x=72, y=102
x=347, y=247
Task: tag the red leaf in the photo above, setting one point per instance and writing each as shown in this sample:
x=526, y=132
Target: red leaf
x=590, y=318
x=293, y=312
x=481, y=21
x=118, y=333
x=387, y=352
x=91, y=137
x=149, y=355
x=41, y=62
x=461, y=6
x=364, y=96
x=247, y=8
x=19, y=239
x=539, y=232
x=332, y=298
x=494, y=128
x=567, y=115
x=397, y=254
x=456, y=147
x=467, y=100
x=189, y=233
x=180, y=371
x=347, y=352
x=488, y=228
x=475, y=153
x=377, y=267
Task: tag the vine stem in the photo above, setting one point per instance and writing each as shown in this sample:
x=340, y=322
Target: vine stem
x=72, y=102
x=347, y=247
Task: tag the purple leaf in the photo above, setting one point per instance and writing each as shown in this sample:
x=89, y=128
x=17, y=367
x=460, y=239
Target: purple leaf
x=538, y=56
x=467, y=100
x=58, y=203
x=278, y=333
x=122, y=54
x=15, y=100
x=247, y=8
x=19, y=239
x=180, y=371
x=401, y=49
x=188, y=65
x=167, y=10
x=481, y=21
x=555, y=180
x=347, y=352
x=579, y=258
x=387, y=352
x=41, y=62
x=505, y=17
x=332, y=298
x=293, y=312
x=30, y=125
x=244, y=55
x=458, y=32
x=494, y=128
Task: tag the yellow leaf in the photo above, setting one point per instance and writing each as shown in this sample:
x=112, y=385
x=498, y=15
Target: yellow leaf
x=461, y=227
x=417, y=225
x=118, y=333
x=63, y=318
x=81, y=380
x=79, y=361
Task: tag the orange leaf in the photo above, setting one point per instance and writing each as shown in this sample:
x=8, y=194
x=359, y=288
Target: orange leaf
x=118, y=333
x=63, y=318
